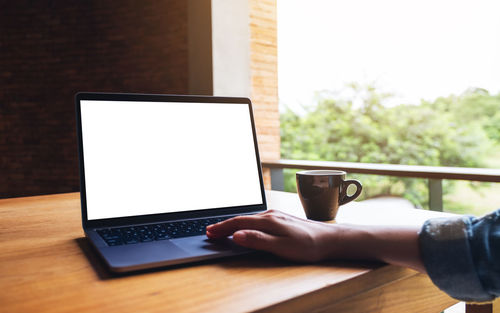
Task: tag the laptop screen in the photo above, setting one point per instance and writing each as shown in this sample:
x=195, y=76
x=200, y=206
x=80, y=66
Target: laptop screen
x=145, y=158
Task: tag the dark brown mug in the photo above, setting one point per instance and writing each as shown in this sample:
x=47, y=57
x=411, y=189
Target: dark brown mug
x=323, y=191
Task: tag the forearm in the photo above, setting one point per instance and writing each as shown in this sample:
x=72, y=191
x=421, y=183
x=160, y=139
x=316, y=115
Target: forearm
x=390, y=244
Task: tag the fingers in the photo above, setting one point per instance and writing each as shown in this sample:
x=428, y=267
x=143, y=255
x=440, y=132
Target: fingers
x=281, y=246
x=267, y=224
x=275, y=232
x=255, y=239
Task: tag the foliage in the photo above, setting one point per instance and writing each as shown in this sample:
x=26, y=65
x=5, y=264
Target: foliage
x=451, y=131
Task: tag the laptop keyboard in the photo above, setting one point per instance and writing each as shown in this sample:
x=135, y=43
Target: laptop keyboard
x=152, y=232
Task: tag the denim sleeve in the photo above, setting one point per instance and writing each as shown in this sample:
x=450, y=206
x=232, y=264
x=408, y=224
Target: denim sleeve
x=462, y=255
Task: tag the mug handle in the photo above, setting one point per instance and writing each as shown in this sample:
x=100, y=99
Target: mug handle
x=344, y=198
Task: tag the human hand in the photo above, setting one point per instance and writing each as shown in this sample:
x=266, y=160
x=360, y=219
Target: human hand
x=309, y=241
x=279, y=233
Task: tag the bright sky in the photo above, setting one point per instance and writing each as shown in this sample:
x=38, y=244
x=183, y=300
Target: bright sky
x=415, y=49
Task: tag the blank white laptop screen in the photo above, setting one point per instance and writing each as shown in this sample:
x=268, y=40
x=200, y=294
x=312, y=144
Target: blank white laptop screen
x=159, y=157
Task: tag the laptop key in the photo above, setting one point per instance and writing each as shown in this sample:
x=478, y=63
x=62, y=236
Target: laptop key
x=154, y=232
x=146, y=239
x=114, y=242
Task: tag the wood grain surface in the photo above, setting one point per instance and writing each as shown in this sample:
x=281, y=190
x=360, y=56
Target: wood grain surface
x=46, y=265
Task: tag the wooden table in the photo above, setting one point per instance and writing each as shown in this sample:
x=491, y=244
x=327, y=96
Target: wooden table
x=47, y=266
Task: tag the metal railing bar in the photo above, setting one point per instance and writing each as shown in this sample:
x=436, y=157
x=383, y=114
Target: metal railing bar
x=416, y=171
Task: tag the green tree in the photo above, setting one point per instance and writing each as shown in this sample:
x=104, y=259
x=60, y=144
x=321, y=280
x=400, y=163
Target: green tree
x=451, y=131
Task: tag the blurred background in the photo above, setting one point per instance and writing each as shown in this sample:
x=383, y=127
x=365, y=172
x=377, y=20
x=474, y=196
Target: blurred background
x=398, y=82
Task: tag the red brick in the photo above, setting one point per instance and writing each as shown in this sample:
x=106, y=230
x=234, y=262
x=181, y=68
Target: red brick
x=51, y=50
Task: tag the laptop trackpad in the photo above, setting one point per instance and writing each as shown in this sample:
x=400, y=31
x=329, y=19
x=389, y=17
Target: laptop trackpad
x=131, y=255
x=201, y=245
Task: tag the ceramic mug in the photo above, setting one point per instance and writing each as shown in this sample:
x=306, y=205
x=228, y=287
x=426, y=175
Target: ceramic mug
x=323, y=191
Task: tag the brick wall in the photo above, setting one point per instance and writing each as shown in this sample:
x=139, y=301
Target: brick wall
x=264, y=79
x=49, y=50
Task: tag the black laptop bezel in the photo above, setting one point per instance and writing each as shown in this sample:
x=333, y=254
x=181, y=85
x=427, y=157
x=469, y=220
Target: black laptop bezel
x=152, y=218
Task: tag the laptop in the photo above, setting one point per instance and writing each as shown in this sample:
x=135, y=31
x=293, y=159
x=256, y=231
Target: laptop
x=155, y=170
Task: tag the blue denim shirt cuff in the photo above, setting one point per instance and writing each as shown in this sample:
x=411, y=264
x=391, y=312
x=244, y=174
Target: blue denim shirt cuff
x=446, y=253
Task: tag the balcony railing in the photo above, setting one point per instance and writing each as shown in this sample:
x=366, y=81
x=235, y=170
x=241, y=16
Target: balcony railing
x=434, y=174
